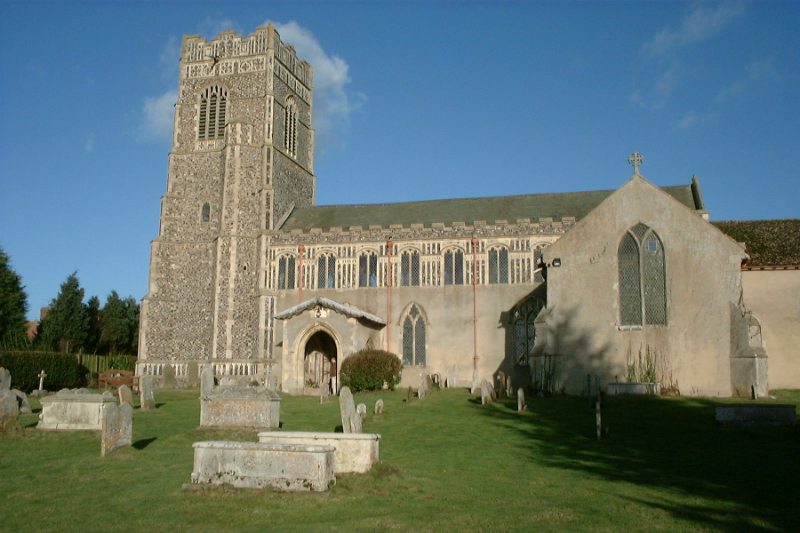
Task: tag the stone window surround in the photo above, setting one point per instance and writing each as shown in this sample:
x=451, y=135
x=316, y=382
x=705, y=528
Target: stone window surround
x=647, y=280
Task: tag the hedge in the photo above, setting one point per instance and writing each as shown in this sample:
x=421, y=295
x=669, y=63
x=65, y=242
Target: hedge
x=62, y=370
x=370, y=369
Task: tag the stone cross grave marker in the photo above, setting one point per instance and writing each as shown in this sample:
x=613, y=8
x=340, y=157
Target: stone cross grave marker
x=5, y=379
x=207, y=380
x=125, y=395
x=379, y=407
x=117, y=427
x=521, y=400
x=168, y=377
x=347, y=409
x=147, y=398
x=41, y=377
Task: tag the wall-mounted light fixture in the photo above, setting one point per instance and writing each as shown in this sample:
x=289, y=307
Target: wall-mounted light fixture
x=557, y=262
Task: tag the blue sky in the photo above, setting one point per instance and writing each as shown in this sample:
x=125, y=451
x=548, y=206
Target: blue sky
x=413, y=101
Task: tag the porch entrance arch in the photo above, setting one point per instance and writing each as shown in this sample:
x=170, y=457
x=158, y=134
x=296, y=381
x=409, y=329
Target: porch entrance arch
x=320, y=362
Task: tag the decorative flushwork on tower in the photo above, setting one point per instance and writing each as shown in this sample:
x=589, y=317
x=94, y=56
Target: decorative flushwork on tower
x=242, y=158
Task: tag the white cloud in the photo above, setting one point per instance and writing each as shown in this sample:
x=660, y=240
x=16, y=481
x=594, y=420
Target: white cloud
x=159, y=113
x=332, y=102
x=703, y=22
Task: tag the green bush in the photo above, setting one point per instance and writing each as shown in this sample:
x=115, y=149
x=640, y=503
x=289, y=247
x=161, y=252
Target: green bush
x=370, y=369
x=123, y=362
x=62, y=370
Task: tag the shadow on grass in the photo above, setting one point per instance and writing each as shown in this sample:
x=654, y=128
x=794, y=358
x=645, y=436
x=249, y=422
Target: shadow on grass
x=141, y=444
x=738, y=479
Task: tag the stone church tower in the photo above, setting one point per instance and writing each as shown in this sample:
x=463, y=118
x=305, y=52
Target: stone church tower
x=242, y=158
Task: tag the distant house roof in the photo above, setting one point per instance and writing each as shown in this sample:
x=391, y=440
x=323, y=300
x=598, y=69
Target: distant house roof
x=467, y=210
x=767, y=242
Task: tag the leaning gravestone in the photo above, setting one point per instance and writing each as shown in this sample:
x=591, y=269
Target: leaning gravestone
x=147, y=398
x=9, y=411
x=379, y=407
x=117, y=427
x=168, y=377
x=347, y=408
x=22, y=402
x=521, y=400
x=206, y=380
x=5, y=379
x=125, y=395
x=192, y=374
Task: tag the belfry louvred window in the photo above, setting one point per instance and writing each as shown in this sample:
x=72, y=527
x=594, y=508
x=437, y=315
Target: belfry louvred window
x=290, y=127
x=213, y=106
x=642, y=278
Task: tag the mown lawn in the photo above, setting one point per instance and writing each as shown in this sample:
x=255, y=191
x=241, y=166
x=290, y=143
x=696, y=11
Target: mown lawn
x=447, y=464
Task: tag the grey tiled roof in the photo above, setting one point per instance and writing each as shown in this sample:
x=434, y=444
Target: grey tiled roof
x=467, y=210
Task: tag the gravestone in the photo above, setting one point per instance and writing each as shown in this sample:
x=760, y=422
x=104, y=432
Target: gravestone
x=5, y=379
x=323, y=394
x=74, y=409
x=428, y=383
x=206, y=380
x=355, y=422
x=501, y=384
x=41, y=377
x=125, y=395
x=22, y=402
x=449, y=377
x=238, y=403
x=487, y=393
x=509, y=387
x=455, y=376
x=192, y=374
x=117, y=427
x=521, y=400
x=347, y=409
x=361, y=409
x=9, y=411
x=147, y=398
x=168, y=377
x=379, y=407
x=421, y=392
x=475, y=385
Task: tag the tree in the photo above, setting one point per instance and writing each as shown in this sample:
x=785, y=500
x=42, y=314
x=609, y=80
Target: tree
x=67, y=324
x=92, y=344
x=13, y=304
x=116, y=327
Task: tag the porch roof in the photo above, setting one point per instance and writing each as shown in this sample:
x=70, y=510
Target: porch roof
x=344, y=309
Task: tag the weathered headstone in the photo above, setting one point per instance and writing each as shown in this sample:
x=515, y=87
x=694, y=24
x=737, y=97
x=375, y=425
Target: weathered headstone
x=486, y=393
x=147, y=398
x=521, y=400
x=22, y=402
x=475, y=384
x=5, y=379
x=117, y=427
x=361, y=409
x=192, y=373
x=168, y=377
x=455, y=376
x=125, y=395
x=501, y=384
x=206, y=380
x=421, y=392
x=355, y=423
x=379, y=407
x=509, y=387
x=347, y=408
x=449, y=377
x=428, y=383
x=9, y=411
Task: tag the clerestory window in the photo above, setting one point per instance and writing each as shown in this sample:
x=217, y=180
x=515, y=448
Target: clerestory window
x=368, y=269
x=409, y=268
x=454, y=267
x=286, y=272
x=498, y=265
x=326, y=271
x=213, y=106
x=414, y=337
x=642, y=278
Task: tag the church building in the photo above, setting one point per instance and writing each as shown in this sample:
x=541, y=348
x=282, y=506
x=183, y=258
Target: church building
x=249, y=275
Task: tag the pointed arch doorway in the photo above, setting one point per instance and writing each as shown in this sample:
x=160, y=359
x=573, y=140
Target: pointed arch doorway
x=320, y=363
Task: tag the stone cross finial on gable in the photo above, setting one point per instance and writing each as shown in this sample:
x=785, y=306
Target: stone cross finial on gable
x=635, y=159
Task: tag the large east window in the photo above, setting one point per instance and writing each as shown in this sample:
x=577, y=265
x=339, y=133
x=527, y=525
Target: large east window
x=642, y=278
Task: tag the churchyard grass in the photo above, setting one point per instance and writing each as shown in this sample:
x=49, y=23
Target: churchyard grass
x=447, y=464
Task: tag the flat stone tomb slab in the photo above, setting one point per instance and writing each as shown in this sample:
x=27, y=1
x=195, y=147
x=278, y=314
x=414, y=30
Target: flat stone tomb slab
x=644, y=389
x=755, y=415
x=256, y=465
x=354, y=452
x=74, y=409
x=247, y=407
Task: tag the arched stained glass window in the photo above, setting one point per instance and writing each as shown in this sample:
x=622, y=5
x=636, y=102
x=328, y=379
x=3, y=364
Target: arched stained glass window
x=213, y=107
x=642, y=278
x=454, y=267
x=414, y=337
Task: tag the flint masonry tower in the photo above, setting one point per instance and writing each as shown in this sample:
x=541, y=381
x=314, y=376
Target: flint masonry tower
x=242, y=158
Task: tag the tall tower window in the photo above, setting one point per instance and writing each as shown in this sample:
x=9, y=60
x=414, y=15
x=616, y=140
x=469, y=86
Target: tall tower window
x=414, y=337
x=454, y=267
x=642, y=278
x=290, y=127
x=213, y=104
x=368, y=269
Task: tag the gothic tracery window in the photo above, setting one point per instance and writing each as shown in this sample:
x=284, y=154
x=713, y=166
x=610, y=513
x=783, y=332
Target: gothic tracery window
x=414, y=337
x=454, y=267
x=498, y=265
x=642, y=278
x=524, y=317
x=290, y=127
x=326, y=271
x=213, y=106
x=286, y=272
x=409, y=268
x=368, y=269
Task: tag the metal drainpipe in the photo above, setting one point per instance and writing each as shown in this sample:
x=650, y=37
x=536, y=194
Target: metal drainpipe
x=389, y=246
x=300, y=250
x=475, y=300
